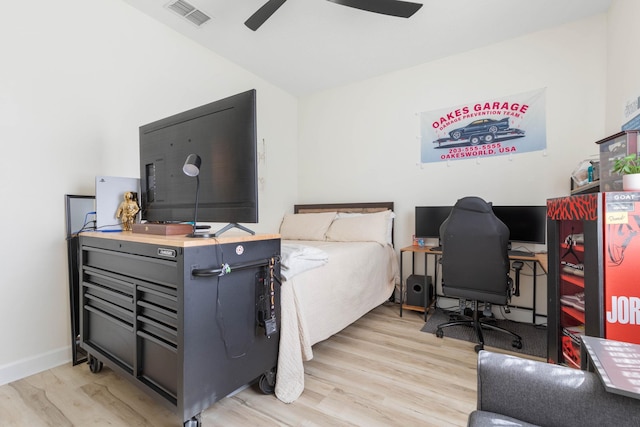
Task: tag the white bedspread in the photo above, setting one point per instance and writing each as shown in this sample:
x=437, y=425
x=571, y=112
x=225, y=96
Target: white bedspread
x=297, y=258
x=320, y=302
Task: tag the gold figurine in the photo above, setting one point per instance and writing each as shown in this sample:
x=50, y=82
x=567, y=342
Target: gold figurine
x=127, y=211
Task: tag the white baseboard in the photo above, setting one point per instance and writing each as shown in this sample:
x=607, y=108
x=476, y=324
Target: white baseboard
x=33, y=365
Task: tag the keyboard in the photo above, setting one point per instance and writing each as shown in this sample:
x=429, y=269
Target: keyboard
x=436, y=248
x=521, y=253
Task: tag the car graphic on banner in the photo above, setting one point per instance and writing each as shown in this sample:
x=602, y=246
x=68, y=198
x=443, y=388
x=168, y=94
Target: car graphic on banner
x=480, y=126
x=483, y=131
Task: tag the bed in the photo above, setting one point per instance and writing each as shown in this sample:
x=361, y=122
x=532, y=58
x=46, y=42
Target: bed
x=351, y=269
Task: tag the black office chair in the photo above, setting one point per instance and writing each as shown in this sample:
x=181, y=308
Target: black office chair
x=475, y=264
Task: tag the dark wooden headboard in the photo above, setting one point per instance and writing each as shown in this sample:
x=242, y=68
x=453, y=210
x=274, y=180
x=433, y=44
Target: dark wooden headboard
x=344, y=207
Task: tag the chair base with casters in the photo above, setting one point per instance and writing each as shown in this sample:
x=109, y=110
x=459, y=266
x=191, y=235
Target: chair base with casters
x=477, y=324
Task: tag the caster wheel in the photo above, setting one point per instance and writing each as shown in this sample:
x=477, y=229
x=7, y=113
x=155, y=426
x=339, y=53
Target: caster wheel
x=95, y=365
x=439, y=333
x=478, y=347
x=267, y=382
x=265, y=386
x=516, y=344
x=193, y=422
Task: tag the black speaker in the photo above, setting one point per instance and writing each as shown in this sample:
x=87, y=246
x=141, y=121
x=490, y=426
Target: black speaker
x=416, y=290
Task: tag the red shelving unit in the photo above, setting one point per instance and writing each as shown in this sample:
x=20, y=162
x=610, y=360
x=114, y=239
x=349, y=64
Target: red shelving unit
x=575, y=281
x=593, y=282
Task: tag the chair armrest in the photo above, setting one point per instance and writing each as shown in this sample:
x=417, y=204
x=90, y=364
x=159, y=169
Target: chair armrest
x=549, y=395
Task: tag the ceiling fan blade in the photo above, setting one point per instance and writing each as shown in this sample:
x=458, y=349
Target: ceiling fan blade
x=267, y=9
x=402, y=9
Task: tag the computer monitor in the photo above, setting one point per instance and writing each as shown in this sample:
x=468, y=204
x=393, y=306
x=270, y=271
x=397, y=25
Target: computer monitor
x=428, y=220
x=527, y=224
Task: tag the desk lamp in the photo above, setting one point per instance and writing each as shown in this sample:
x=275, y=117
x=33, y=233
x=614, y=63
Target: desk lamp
x=192, y=168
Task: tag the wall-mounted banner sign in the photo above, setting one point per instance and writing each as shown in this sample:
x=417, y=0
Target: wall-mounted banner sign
x=631, y=108
x=509, y=125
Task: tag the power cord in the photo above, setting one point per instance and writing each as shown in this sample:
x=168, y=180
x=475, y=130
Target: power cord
x=85, y=225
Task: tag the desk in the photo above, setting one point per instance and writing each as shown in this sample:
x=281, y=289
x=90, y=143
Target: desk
x=537, y=259
x=617, y=363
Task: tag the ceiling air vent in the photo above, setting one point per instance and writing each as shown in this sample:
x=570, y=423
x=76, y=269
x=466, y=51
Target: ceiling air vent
x=189, y=12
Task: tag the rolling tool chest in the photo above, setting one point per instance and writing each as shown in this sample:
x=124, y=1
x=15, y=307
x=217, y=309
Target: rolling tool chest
x=187, y=320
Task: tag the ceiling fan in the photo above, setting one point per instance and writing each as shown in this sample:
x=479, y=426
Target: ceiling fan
x=402, y=9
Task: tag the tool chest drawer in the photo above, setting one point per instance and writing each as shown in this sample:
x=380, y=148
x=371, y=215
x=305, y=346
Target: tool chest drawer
x=147, y=268
x=110, y=335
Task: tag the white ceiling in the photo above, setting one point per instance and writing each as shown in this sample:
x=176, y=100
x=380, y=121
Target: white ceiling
x=310, y=45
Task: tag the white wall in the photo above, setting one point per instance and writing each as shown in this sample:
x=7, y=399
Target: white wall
x=360, y=142
x=77, y=80
x=623, y=62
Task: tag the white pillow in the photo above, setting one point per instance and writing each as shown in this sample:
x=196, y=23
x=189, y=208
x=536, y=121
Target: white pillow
x=373, y=227
x=308, y=226
x=390, y=219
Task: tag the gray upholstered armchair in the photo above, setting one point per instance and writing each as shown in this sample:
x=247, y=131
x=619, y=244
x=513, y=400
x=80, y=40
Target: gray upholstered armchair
x=513, y=391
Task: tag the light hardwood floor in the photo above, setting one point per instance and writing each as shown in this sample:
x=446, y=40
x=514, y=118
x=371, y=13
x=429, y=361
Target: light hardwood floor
x=380, y=371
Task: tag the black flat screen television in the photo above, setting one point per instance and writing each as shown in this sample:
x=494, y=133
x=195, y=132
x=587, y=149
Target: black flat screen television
x=223, y=134
x=527, y=224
